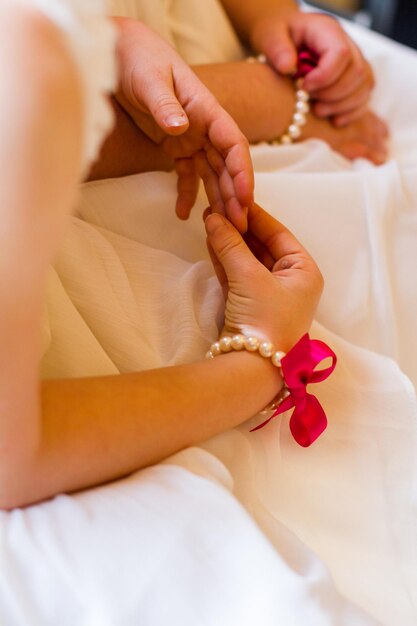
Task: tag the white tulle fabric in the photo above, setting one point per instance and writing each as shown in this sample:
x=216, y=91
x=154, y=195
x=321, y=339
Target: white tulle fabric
x=320, y=528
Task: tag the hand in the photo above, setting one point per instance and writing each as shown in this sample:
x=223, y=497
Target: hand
x=364, y=138
x=343, y=80
x=167, y=101
x=271, y=284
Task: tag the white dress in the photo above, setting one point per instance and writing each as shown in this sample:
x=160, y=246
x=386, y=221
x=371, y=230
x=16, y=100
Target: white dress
x=132, y=289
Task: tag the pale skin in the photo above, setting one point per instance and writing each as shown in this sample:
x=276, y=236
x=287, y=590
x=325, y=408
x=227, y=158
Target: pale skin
x=342, y=82
x=62, y=436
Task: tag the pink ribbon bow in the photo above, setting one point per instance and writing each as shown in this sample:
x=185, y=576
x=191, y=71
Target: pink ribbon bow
x=306, y=62
x=308, y=419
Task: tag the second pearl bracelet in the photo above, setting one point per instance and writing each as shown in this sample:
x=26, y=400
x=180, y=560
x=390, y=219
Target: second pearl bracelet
x=301, y=109
x=299, y=118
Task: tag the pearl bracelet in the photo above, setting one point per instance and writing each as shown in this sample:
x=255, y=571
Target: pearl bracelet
x=252, y=344
x=249, y=343
x=302, y=108
x=299, y=118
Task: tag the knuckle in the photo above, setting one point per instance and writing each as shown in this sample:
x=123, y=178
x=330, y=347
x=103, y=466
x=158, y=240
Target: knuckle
x=344, y=49
x=165, y=101
x=316, y=279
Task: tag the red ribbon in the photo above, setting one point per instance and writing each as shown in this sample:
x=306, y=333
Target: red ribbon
x=308, y=419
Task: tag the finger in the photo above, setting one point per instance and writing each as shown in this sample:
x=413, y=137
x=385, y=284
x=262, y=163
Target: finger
x=210, y=181
x=345, y=119
x=233, y=146
x=280, y=49
x=206, y=213
x=233, y=209
x=358, y=100
x=351, y=81
x=187, y=187
x=277, y=239
x=229, y=248
x=335, y=54
x=159, y=96
x=357, y=150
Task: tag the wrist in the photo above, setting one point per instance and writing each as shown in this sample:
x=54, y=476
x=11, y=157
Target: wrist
x=242, y=365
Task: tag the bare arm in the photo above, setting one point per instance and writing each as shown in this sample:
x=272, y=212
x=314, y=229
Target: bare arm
x=262, y=103
x=95, y=430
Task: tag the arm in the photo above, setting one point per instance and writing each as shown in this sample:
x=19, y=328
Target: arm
x=39, y=165
x=262, y=103
x=343, y=80
x=96, y=430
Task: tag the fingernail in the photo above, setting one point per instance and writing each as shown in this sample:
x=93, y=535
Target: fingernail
x=213, y=222
x=174, y=121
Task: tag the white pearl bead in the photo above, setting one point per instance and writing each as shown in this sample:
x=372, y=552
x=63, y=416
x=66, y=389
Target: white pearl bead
x=209, y=355
x=261, y=58
x=225, y=344
x=299, y=119
x=303, y=95
x=251, y=344
x=238, y=342
x=286, y=140
x=277, y=357
x=294, y=131
x=302, y=107
x=215, y=348
x=266, y=349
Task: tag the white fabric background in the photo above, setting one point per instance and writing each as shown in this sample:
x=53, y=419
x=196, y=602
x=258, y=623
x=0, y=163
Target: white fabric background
x=132, y=289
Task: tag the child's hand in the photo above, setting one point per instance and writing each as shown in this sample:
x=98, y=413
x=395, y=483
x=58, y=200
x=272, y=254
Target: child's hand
x=365, y=138
x=271, y=284
x=343, y=80
x=168, y=102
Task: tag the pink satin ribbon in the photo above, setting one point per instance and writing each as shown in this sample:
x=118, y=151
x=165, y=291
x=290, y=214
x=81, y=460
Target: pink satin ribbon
x=306, y=62
x=308, y=419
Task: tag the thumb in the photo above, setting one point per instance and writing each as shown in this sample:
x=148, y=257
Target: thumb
x=229, y=247
x=166, y=109
x=281, y=50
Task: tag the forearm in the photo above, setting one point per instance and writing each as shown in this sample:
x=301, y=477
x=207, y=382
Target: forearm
x=245, y=15
x=98, y=429
x=260, y=101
